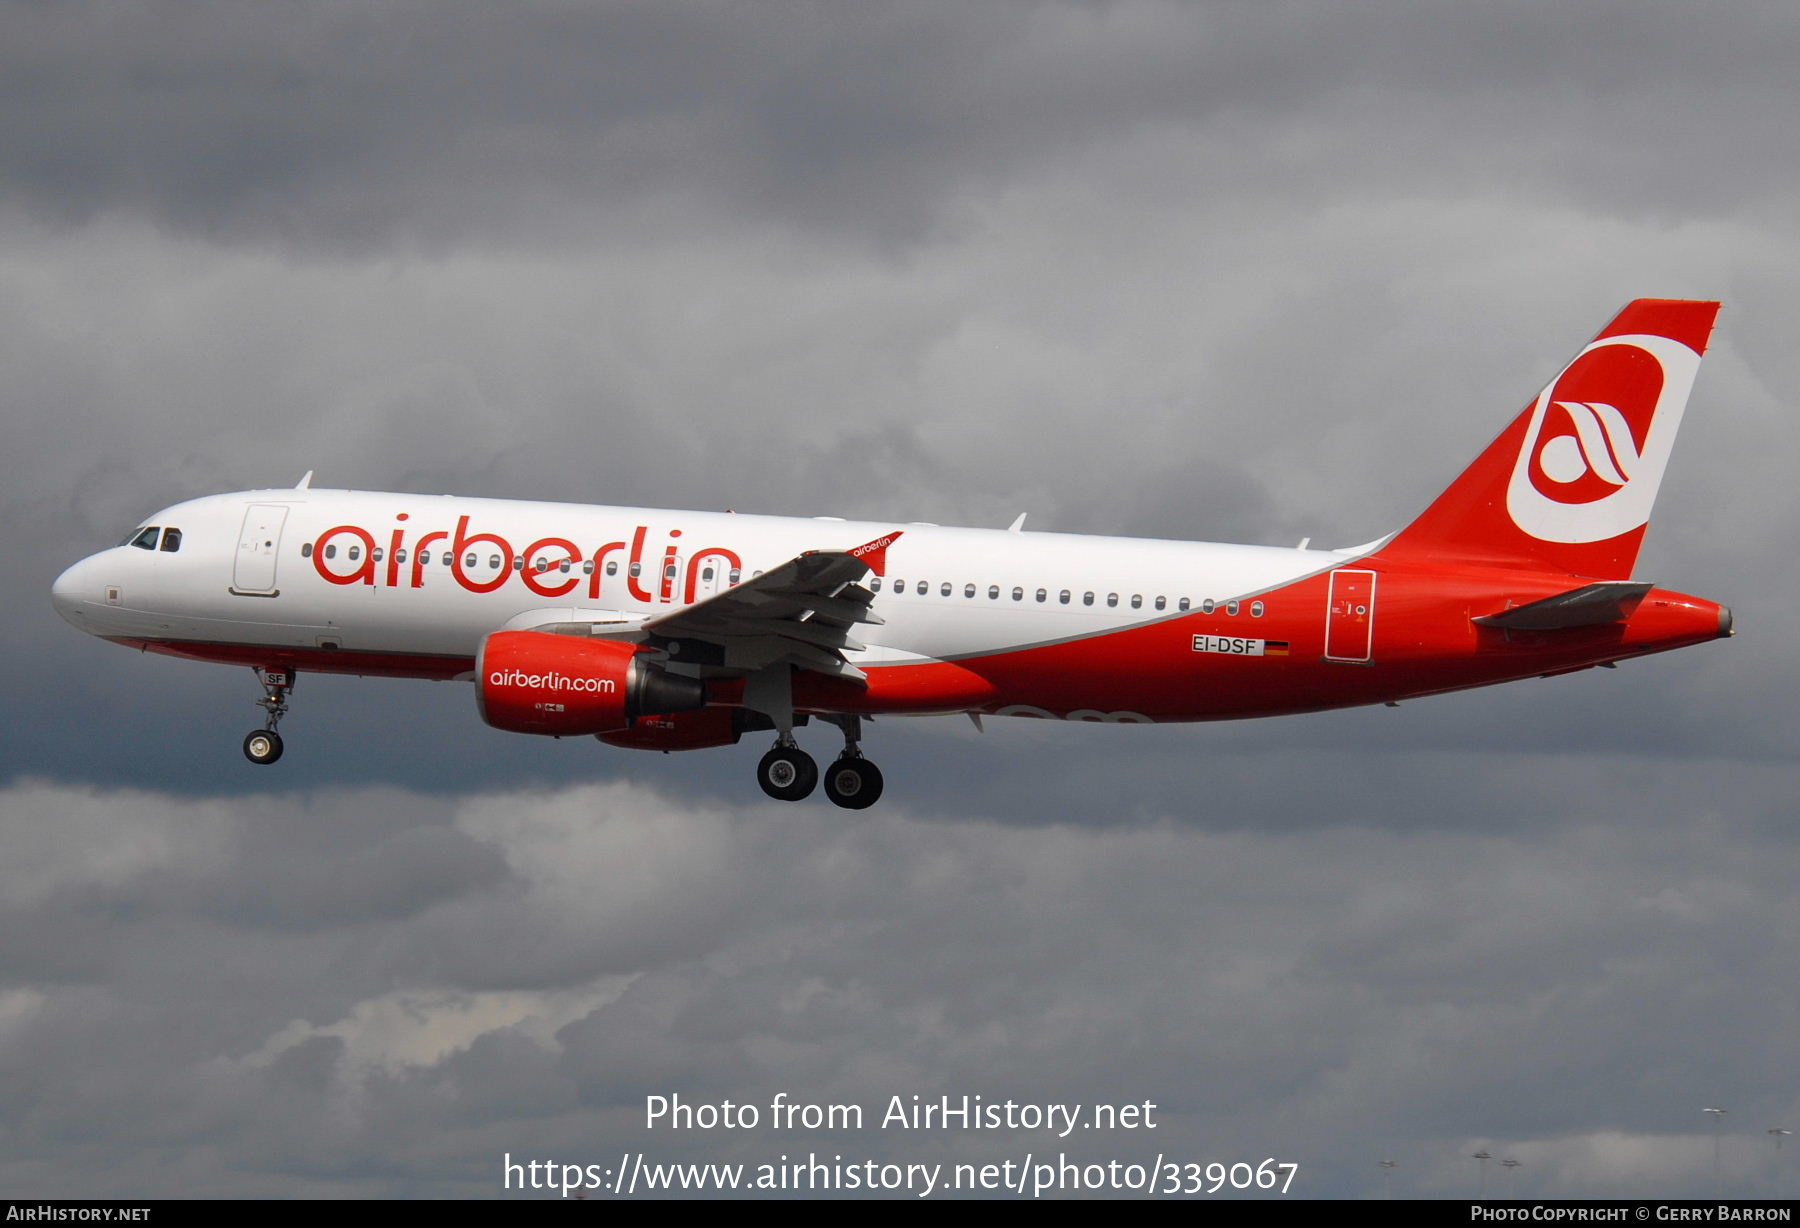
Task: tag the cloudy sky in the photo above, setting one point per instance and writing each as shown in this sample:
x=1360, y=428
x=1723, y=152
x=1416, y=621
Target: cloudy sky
x=1243, y=272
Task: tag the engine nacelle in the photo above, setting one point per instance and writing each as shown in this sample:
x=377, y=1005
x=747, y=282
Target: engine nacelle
x=568, y=686
x=682, y=730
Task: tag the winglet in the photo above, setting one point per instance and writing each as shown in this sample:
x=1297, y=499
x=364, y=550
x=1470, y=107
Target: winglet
x=304, y=483
x=874, y=554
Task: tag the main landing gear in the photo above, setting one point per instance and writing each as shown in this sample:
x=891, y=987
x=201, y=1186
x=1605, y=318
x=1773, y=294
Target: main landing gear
x=263, y=746
x=853, y=782
x=789, y=774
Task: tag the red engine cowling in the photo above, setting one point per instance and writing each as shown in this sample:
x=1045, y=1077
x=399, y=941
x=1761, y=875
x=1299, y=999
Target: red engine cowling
x=567, y=686
x=681, y=730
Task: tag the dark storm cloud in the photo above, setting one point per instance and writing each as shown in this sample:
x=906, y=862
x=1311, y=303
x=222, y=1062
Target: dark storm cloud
x=1300, y=992
x=367, y=127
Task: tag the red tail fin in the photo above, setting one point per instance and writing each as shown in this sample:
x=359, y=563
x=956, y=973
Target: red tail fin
x=1568, y=486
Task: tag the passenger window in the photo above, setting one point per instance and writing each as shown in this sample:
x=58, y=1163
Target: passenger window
x=400, y=556
x=875, y=584
x=734, y=574
x=993, y=592
x=924, y=587
x=566, y=564
x=1112, y=599
x=1064, y=597
x=587, y=568
x=518, y=564
x=944, y=589
x=1087, y=599
x=637, y=569
x=355, y=552
x=493, y=562
x=1043, y=594
x=706, y=573
x=1161, y=602
x=331, y=552
x=171, y=540
x=1137, y=601
x=1231, y=608
x=468, y=560
x=375, y=555
x=306, y=550
x=542, y=565
x=612, y=568
x=669, y=572
x=1207, y=607
x=1018, y=594
x=968, y=590
x=1256, y=609
x=1184, y=604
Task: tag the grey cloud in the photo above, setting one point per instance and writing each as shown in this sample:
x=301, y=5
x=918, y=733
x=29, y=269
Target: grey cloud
x=376, y=128
x=1313, y=989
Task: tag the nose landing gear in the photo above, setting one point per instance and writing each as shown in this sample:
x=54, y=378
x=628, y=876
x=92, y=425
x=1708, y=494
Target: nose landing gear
x=263, y=746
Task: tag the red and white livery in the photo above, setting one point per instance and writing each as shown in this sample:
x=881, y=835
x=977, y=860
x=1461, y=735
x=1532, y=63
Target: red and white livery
x=673, y=630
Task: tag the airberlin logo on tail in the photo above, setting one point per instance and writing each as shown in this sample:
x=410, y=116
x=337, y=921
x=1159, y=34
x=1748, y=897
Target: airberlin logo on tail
x=1602, y=447
x=1599, y=438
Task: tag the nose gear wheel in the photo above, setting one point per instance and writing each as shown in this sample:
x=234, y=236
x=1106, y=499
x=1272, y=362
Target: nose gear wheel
x=263, y=746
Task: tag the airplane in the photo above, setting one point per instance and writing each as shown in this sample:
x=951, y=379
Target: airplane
x=680, y=630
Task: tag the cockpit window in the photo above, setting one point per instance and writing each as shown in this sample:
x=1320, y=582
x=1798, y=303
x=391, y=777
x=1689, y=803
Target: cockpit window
x=171, y=540
x=143, y=539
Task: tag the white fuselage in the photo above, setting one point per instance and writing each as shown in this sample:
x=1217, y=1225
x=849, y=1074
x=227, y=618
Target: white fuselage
x=251, y=570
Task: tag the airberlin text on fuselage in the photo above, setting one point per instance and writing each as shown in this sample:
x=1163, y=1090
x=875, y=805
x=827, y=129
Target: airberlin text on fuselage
x=406, y=562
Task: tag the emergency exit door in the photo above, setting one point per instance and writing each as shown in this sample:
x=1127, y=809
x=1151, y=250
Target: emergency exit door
x=1350, y=617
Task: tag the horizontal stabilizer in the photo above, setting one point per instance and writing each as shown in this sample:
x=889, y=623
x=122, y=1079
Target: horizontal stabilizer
x=1591, y=605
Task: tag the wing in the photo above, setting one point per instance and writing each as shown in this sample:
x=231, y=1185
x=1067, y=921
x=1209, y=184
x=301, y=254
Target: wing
x=801, y=613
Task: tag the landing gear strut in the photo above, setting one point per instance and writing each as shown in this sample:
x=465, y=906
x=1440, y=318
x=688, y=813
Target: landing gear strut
x=787, y=773
x=263, y=746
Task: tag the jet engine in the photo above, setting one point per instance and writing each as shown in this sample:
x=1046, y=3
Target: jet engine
x=569, y=686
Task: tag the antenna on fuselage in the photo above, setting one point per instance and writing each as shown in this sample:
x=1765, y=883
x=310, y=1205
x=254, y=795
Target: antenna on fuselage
x=1018, y=526
x=304, y=483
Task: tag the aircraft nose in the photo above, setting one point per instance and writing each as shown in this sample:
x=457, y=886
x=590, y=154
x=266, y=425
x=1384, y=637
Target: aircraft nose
x=76, y=589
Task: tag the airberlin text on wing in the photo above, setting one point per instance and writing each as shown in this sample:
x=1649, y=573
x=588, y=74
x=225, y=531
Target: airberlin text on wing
x=902, y=1113
x=544, y=567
